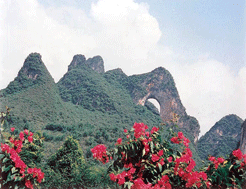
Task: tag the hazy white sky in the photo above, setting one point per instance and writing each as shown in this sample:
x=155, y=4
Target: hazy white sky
x=202, y=44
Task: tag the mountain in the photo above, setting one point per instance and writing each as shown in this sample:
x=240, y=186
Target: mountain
x=33, y=96
x=222, y=138
x=92, y=105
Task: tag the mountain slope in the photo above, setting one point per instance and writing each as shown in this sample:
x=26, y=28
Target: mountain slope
x=222, y=138
x=34, y=97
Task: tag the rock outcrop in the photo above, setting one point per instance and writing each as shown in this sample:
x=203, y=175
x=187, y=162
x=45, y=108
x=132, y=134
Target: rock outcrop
x=96, y=63
x=243, y=138
x=159, y=85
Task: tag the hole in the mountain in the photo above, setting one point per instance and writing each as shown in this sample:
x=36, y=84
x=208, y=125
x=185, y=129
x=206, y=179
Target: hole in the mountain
x=154, y=102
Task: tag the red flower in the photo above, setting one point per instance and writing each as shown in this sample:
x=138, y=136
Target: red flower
x=125, y=130
x=170, y=159
x=211, y=158
x=139, y=129
x=160, y=153
x=119, y=141
x=155, y=157
x=22, y=136
x=30, y=139
x=221, y=160
x=112, y=177
x=237, y=153
x=180, y=135
x=12, y=129
x=175, y=140
x=28, y=184
x=5, y=147
x=154, y=129
x=26, y=131
x=99, y=152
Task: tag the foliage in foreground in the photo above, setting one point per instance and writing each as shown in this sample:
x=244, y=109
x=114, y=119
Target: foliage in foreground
x=143, y=160
x=15, y=173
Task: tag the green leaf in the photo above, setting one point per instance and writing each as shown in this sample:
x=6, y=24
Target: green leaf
x=5, y=169
x=152, y=147
x=17, y=179
x=160, y=167
x=5, y=160
x=143, y=152
x=9, y=178
x=2, y=156
x=14, y=170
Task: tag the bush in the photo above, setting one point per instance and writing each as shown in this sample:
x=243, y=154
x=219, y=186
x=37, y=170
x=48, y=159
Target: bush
x=143, y=160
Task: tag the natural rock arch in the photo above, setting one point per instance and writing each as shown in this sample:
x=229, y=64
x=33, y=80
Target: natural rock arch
x=159, y=85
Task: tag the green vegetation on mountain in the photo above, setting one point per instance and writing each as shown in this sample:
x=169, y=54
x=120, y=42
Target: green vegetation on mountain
x=222, y=138
x=94, y=107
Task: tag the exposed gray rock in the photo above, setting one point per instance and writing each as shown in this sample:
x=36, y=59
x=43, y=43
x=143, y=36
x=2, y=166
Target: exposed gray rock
x=243, y=138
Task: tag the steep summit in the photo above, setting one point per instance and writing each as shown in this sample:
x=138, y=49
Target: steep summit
x=222, y=138
x=96, y=63
x=33, y=72
x=78, y=60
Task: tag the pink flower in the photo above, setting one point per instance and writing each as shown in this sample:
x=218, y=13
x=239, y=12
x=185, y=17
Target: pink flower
x=154, y=129
x=28, y=184
x=21, y=135
x=221, y=160
x=112, y=177
x=99, y=152
x=180, y=135
x=119, y=141
x=155, y=157
x=5, y=147
x=30, y=139
x=26, y=131
x=175, y=140
x=12, y=129
x=139, y=129
x=170, y=159
x=238, y=154
x=125, y=130
x=160, y=153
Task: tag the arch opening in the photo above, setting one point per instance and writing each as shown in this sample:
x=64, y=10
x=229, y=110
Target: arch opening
x=153, y=105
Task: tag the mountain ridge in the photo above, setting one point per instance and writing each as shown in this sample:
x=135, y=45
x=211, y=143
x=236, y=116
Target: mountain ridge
x=222, y=138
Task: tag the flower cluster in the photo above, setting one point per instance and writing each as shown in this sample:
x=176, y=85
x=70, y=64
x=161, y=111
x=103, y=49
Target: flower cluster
x=139, y=130
x=216, y=161
x=36, y=173
x=181, y=139
x=12, y=150
x=144, y=161
x=99, y=152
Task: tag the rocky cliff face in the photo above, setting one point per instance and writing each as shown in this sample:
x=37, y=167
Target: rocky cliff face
x=159, y=85
x=243, y=138
x=222, y=138
x=96, y=63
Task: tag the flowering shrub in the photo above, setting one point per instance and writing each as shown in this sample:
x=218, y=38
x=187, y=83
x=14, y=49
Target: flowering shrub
x=15, y=173
x=229, y=172
x=143, y=161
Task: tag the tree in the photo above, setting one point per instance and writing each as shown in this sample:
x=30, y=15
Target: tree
x=67, y=165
